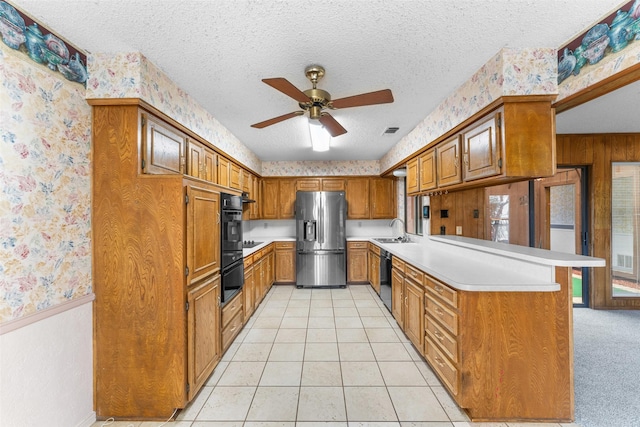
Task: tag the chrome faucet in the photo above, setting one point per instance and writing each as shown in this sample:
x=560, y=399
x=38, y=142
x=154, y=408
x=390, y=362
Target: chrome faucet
x=404, y=237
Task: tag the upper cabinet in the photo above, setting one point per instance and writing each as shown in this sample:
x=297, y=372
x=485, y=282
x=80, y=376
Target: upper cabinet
x=383, y=198
x=235, y=176
x=224, y=171
x=515, y=141
x=357, y=195
x=164, y=147
x=278, y=198
x=482, y=149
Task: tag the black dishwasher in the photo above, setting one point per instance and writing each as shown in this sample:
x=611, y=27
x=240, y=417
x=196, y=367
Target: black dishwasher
x=385, y=278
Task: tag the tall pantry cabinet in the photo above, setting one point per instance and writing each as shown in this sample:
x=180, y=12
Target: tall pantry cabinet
x=156, y=266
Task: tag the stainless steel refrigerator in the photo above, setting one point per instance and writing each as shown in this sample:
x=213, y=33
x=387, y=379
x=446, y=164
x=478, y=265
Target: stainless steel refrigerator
x=321, y=256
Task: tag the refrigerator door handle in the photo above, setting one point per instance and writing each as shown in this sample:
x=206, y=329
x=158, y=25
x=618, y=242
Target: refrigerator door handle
x=322, y=224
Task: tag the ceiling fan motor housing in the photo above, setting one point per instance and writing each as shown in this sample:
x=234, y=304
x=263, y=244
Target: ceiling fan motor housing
x=320, y=99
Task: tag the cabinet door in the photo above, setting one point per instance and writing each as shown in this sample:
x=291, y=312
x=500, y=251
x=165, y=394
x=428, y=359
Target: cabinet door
x=210, y=165
x=248, y=290
x=332, y=184
x=269, y=198
x=272, y=268
x=397, y=295
x=448, y=162
x=374, y=271
x=414, y=313
x=246, y=181
x=195, y=159
x=383, y=198
x=224, y=171
x=203, y=232
x=357, y=195
x=285, y=262
x=287, y=198
x=254, y=193
x=203, y=336
x=164, y=147
x=235, y=177
x=413, y=176
x=357, y=262
x=427, y=167
x=308, y=184
x=482, y=150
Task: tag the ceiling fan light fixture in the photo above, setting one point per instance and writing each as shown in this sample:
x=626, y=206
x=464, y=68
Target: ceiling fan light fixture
x=320, y=138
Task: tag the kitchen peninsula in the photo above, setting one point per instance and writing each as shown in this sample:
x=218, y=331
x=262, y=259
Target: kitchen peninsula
x=493, y=320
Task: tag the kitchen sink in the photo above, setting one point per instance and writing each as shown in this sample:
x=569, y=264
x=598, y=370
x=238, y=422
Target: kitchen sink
x=388, y=239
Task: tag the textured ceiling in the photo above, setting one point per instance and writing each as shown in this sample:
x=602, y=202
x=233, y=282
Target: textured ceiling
x=218, y=51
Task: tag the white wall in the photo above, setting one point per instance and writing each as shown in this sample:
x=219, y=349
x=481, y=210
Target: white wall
x=262, y=229
x=46, y=372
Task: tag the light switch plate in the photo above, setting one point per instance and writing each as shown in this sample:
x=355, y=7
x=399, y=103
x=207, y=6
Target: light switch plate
x=459, y=230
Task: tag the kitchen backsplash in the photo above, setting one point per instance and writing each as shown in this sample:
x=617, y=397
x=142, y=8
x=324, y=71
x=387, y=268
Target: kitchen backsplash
x=263, y=229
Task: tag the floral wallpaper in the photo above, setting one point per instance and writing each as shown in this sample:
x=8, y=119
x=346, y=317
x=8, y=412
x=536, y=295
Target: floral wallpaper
x=45, y=188
x=531, y=71
x=131, y=75
x=321, y=168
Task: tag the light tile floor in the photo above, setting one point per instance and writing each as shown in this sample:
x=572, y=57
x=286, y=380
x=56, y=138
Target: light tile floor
x=322, y=357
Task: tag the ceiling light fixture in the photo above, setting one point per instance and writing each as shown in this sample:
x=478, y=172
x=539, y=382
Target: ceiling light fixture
x=320, y=138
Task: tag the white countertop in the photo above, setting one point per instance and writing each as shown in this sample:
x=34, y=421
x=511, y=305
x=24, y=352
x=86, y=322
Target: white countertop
x=451, y=259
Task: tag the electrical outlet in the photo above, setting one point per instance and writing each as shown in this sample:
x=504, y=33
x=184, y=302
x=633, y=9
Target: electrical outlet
x=443, y=230
x=459, y=230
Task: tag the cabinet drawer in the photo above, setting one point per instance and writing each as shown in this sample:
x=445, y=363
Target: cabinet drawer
x=442, y=291
x=441, y=313
x=374, y=248
x=248, y=260
x=230, y=331
x=446, y=371
x=398, y=263
x=414, y=274
x=231, y=308
x=357, y=245
x=285, y=245
x=448, y=344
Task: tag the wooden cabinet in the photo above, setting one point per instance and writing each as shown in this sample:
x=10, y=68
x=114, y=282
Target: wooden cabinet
x=448, y=162
x=195, y=159
x=285, y=260
x=357, y=196
x=254, y=193
x=427, y=168
x=397, y=294
x=224, y=171
x=249, y=289
x=278, y=198
x=245, y=180
x=413, y=176
x=203, y=332
x=145, y=236
x=413, y=319
x=203, y=232
x=232, y=320
x=481, y=144
x=383, y=198
x=357, y=261
x=164, y=147
x=374, y=267
x=235, y=176
x=308, y=184
x=210, y=165
x=333, y=184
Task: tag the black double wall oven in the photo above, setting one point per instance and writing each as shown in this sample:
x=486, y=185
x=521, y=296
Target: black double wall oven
x=231, y=245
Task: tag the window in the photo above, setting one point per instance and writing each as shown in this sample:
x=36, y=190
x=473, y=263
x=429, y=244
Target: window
x=413, y=215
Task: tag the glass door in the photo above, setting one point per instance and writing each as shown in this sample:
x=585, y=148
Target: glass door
x=625, y=230
x=561, y=221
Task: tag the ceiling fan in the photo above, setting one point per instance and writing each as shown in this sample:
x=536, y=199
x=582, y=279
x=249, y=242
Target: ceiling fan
x=316, y=100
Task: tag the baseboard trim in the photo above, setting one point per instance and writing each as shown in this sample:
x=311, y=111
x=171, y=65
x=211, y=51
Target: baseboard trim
x=21, y=322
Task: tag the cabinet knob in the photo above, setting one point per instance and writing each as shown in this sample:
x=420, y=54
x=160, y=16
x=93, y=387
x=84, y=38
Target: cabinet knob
x=438, y=335
x=439, y=362
x=439, y=311
x=439, y=289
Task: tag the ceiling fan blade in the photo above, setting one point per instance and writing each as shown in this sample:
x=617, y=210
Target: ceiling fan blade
x=332, y=125
x=379, y=97
x=286, y=87
x=275, y=120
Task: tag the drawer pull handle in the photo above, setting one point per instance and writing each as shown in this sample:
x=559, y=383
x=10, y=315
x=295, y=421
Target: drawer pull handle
x=439, y=311
x=438, y=335
x=439, y=289
x=414, y=274
x=439, y=362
